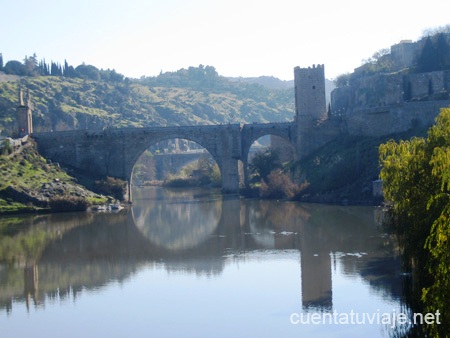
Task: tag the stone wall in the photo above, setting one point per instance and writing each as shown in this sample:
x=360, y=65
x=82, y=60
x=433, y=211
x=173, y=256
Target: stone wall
x=385, y=104
x=394, y=119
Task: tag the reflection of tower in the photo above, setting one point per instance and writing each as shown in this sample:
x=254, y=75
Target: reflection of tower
x=316, y=270
x=31, y=282
x=24, y=115
x=316, y=280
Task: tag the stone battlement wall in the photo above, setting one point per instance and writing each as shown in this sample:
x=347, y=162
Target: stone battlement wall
x=384, y=104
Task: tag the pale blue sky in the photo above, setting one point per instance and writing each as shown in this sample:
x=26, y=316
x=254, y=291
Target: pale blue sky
x=237, y=37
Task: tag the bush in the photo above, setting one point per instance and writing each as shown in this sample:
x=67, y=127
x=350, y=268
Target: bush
x=68, y=203
x=112, y=187
x=6, y=147
x=279, y=185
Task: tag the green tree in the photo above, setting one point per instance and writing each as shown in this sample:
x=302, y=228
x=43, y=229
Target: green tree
x=443, y=52
x=416, y=180
x=342, y=80
x=428, y=59
x=6, y=147
x=31, y=65
x=14, y=67
x=88, y=72
x=263, y=163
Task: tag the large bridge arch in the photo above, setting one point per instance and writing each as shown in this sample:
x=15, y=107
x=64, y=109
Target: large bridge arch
x=221, y=141
x=164, y=160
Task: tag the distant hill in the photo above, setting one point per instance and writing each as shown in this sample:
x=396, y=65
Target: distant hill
x=197, y=95
x=272, y=82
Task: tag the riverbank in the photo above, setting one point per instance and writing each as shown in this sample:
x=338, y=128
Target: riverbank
x=343, y=171
x=30, y=183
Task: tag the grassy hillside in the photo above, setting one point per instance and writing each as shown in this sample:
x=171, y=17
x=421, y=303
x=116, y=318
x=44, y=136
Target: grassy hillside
x=29, y=182
x=343, y=170
x=63, y=103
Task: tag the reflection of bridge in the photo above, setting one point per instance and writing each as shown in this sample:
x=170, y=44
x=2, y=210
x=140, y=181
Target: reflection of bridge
x=211, y=229
x=114, y=151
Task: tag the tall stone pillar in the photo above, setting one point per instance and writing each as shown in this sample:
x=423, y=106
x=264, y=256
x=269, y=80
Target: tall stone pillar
x=230, y=176
x=24, y=116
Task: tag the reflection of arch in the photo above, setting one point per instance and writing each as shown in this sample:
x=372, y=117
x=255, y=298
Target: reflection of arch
x=159, y=221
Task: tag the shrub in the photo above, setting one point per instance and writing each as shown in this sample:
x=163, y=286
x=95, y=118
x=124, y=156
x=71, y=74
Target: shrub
x=112, y=186
x=279, y=185
x=68, y=203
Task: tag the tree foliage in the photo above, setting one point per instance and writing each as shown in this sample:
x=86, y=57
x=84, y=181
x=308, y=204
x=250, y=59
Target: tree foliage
x=263, y=163
x=112, y=186
x=280, y=185
x=416, y=179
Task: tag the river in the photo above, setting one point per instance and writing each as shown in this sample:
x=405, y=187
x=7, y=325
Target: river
x=194, y=263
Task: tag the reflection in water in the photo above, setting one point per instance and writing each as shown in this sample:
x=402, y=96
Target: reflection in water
x=197, y=233
x=175, y=221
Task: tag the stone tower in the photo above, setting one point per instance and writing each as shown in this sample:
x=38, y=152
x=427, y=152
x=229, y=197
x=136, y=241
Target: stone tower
x=24, y=115
x=310, y=92
x=310, y=109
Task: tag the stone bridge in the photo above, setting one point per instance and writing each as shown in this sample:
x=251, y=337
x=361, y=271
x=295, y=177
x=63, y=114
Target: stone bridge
x=114, y=151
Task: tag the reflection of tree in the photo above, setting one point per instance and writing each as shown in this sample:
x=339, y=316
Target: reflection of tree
x=27, y=245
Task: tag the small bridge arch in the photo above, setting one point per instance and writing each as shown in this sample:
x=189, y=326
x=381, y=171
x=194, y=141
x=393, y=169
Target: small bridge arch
x=252, y=132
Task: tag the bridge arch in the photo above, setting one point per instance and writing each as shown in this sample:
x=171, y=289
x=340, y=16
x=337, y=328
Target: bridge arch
x=170, y=157
x=253, y=132
x=221, y=141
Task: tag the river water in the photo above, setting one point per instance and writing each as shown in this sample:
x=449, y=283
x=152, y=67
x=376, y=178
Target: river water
x=198, y=264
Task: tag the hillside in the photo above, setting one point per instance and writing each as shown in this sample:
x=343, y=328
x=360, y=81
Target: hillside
x=178, y=98
x=29, y=181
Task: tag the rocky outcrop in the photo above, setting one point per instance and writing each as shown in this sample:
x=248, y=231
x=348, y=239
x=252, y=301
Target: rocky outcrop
x=48, y=191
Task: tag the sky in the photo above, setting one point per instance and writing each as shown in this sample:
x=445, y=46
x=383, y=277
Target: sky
x=238, y=37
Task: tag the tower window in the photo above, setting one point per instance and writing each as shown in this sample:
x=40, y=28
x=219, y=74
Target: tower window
x=314, y=87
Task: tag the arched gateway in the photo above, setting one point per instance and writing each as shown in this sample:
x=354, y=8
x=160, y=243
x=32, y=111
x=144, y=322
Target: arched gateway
x=114, y=151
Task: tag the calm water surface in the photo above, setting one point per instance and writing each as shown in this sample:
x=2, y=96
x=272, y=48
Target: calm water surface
x=197, y=264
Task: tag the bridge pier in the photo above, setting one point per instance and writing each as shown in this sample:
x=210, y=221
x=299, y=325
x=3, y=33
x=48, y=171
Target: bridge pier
x=230, y=176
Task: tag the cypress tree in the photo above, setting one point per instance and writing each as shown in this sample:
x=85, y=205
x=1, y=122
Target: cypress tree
x=428, y=59
x=443, y=52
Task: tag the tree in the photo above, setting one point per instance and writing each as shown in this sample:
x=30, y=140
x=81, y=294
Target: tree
x=279, y=185
x=262, y=164
x=43, y=68
x=416, y=180
x=1, y=61
x=14, y=67
x=428, y=59
x=443, y=52
x=31, y=65
x=88, y=72
x=55, y=69
x=342, y=80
